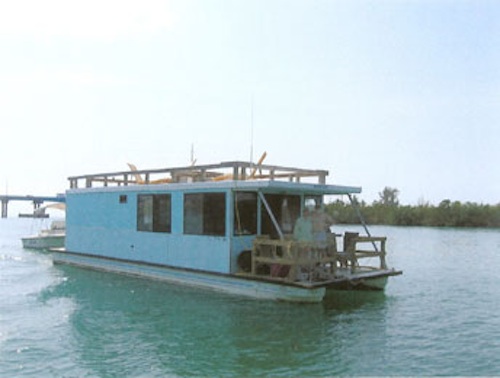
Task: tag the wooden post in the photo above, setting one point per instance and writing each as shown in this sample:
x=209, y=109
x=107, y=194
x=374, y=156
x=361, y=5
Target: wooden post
x=350, y=248
x=383, y=264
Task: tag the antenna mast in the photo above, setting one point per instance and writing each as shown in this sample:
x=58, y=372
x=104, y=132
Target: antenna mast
x=251, y=131
x=193, y=160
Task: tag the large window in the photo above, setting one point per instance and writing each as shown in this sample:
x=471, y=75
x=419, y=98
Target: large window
x=154, y=213
x=245, y=213
x=205, y=214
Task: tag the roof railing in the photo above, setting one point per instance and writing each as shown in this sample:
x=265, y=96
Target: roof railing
x=233, y=170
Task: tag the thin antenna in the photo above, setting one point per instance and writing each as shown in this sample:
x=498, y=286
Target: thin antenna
x=251, y=131
x=193, y=160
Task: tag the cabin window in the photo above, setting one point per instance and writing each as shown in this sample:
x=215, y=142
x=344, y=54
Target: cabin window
x=205, y=214
x=286, y=210
x=123, y=198
x=154, y=213
x=245, y=213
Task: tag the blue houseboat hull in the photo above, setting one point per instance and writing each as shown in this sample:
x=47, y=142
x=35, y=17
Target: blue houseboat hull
x=231, y=284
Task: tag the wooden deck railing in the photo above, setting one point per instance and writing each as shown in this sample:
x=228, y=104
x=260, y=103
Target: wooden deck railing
x=291, y=260
x=354, y=253
x=233, y=170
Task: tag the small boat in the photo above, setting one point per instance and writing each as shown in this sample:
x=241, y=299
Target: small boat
x=235, y=227
x=52, y=237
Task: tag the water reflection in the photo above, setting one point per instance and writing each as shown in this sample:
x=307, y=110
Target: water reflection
x=344, y=300
x=124, y=325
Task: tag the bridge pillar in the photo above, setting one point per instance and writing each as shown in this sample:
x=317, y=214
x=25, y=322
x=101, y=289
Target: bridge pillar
x=4, y=208
x=37, y=210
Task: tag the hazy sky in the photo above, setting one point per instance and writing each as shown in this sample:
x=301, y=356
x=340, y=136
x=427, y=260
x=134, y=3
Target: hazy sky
x=403, y=94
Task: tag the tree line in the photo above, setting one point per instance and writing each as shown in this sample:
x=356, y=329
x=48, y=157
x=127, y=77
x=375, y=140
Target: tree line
x=388, y=211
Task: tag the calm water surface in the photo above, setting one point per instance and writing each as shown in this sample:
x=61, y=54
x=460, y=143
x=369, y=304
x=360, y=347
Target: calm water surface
x=440, y=318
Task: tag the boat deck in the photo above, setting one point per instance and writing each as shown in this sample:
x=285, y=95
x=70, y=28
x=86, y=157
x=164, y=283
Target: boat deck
x=344, y=278
x=313, y=264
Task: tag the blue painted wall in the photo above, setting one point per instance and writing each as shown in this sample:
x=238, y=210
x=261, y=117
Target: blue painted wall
x=97, y=223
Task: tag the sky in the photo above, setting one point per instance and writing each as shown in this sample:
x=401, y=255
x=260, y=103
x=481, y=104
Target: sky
x=403, y=94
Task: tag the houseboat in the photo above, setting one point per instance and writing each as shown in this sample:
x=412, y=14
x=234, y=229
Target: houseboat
x=234, y=227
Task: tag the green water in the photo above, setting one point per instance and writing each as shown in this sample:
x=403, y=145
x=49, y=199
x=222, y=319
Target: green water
x=440, y=318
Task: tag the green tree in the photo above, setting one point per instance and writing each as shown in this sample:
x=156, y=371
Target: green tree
x=389, y=197
x=388, y=211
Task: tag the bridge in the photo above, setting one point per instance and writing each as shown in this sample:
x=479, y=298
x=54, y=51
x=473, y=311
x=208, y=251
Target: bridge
x=37, y=201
